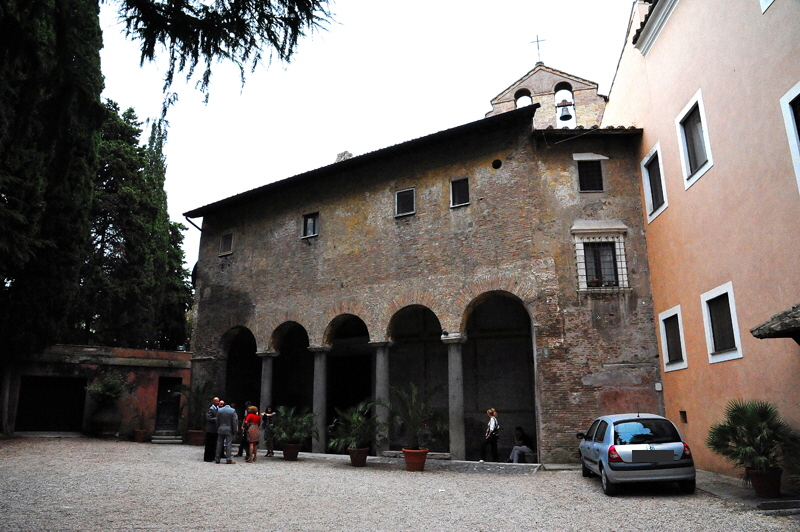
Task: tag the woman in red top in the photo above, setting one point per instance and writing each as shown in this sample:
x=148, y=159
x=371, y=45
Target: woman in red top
x=250, y=431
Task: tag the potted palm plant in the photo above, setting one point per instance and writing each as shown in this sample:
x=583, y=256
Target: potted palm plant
x=355, y=430
x=417, y=423
x=292, y=427
x=754, y=436
x=105, y=392
x=140, y=432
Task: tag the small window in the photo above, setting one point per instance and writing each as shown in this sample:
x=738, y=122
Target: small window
x=405, y=202
x=653, y=181
x=672, y=342
x=790, y=107
x=600, y=255
x=310, y=224
x=590, y=176
x=721, y=325
x=226, y=244
x=601, y=264
x=694, y=143
x=459, y=192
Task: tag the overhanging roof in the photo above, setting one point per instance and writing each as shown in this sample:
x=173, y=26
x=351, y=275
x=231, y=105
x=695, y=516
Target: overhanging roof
x=499, y=121
x=785, y=324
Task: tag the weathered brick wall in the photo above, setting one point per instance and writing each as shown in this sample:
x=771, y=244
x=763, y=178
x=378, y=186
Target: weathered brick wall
x=593, y=355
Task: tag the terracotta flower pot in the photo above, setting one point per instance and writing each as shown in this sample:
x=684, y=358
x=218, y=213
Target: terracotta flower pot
x=139, y=435
x=415, y=459
x=195, y=437
x=767, y=483
x=290, y=451
x=358, y=457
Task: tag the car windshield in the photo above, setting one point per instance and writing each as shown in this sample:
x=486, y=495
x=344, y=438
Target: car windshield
x=631, y=432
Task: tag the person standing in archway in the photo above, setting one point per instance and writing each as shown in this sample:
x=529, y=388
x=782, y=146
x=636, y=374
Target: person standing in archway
x=211, y=431
x=490, y=439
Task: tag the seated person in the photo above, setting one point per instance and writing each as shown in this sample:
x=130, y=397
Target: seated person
x=523, y=444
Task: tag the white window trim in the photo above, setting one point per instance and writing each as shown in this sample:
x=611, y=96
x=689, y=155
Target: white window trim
x=683, y=364
x=303, y=228
x=730, y=354
x=648, y=196
x=655, y=24
x=413, y=211
x=590, y=231
x=691, y=179
x=765, y=5
x=792, y=129
x=588, y=157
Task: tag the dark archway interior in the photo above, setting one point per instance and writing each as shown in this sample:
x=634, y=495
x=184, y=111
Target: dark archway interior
x=350, y=365
x=243, y=381
x=418, y=356
x=63, y=415
x=293, y=370
x=498, y=371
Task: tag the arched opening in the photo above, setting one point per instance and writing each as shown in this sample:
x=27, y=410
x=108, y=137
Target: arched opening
x=522, y=98
x=293, y=368
x=418, y=356
x=564, y=101
x=350, y=364
x=498, y=370
x=243, y=368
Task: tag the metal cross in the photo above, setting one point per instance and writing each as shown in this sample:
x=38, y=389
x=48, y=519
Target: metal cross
x=538, y=52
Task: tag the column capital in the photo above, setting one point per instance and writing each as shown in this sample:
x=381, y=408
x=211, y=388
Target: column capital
x=268, y=353
x=453, y=338
x=319, y=348
x=385, y=343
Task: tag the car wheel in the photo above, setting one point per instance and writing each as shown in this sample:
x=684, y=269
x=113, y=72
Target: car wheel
x=585, y=471
x=609, y=488
x=687, y=486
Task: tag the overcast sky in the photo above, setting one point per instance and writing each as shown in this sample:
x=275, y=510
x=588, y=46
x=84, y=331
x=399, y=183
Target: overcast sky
x=383, y=73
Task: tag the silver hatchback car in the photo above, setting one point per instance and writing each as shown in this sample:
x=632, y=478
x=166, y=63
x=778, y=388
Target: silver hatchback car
x=624, y=448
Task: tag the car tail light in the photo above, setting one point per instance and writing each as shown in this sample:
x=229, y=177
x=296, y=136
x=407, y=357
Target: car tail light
x=613, y=455
x=687, y=453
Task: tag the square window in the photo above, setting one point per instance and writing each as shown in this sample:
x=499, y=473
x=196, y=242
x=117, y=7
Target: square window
x=653, y=181
x=721, y=325
x=405, y=202
x=310, y=224
x=459, y=192
x=694, y=142
x=226, y=244
x=600, y=255
x=590, y=176
x=790, y=107
x=673, y=346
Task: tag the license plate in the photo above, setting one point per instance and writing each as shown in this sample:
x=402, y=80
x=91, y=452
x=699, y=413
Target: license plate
x=653, y=456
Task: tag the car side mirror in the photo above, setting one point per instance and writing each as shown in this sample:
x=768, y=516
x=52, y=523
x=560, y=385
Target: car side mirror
x=581, y=435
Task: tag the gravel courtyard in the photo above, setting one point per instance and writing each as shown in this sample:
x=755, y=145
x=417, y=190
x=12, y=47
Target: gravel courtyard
x=85, y=484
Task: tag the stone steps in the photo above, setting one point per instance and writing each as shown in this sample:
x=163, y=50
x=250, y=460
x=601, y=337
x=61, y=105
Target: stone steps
x=167, y=437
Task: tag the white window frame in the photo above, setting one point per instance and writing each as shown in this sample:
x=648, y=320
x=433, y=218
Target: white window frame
x=765, y=5
x=689, y=178
x=591, y=231
x=648, y=196
x=672, y=366
x=414, y=196
x=792, y=128
x=729, y=354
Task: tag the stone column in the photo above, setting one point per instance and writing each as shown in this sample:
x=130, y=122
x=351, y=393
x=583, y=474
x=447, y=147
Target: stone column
x=382, y=387
x=455, y=390
x=320, y=396
x=266, y=378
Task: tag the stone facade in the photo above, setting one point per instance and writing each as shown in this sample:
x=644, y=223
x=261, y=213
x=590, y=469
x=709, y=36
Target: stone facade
x=483, y=299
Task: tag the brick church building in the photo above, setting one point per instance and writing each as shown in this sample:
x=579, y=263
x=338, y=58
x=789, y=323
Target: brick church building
x=502, y=262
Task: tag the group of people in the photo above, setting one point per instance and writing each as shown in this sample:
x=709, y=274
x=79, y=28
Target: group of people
x=222, y=424
x=522, y=442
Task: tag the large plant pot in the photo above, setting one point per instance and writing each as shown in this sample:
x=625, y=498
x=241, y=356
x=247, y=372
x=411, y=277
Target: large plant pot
x=105, y=421
x=415, y=459
x=767, y=483
x=358, y=457
x=195, y=437
x=290, y=451
x=139, y=435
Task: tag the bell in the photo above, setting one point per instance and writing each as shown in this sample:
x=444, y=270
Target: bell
x=565, y=114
